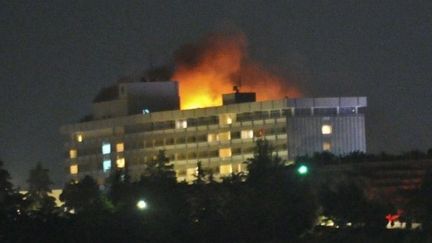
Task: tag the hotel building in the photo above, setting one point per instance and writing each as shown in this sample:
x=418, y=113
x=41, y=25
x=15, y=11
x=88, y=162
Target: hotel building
x=132, y=121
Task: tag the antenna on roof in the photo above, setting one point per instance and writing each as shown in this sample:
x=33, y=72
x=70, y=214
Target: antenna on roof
x=237, y=87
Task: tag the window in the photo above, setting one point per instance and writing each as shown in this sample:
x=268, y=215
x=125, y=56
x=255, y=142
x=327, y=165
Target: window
x=226, y=119
x=73, y=153
x=275, y=114
x=326, y=146
x=246, y=134
x=191, y=139
x=181, y=156
x=326, y=129
x=225, y=169
x=79, y=138
x=224, y=136
x=325, y=111
x=120, y=162
x=229, y=120
x=120, y=147
x=73, y=169
x=169, y=141
x=347, y=110
x=224, y=152
x=106, y=165
x=106, y=148
x=211, y=137
x=181, y=124
x=239, y=168
x=180, y=140
x=191, y=173
x=192, y=155
x=180, y=172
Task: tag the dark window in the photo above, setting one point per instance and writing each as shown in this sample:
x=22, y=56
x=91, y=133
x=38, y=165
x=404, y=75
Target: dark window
x=201, y=138
x=236, y=151
x=202, y=154
x=159, y=142
x=192, y=155
x=246, y=116
x=275, y=114
x=235, y=134
x=169, y=141
x=192, y=122
x=191, y=139
x=180, y=140
x=302, y=112
x=287, y=112
x=347, y=110
x=325, y=111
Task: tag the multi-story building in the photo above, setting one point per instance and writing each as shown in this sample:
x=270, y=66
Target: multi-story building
x=131, y=122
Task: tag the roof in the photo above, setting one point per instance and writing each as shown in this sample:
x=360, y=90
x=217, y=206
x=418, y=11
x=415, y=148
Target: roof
x=107, y=94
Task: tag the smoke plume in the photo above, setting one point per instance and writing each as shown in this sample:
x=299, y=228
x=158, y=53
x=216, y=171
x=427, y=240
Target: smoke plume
x=214, y=64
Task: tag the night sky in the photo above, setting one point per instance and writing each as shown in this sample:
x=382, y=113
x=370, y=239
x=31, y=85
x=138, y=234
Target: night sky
x=55, y=56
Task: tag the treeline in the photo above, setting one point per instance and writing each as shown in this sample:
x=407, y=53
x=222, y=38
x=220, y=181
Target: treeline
x=359, y=156
x=272, y=202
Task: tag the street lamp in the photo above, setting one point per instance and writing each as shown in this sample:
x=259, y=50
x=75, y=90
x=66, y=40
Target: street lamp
x=141, y=205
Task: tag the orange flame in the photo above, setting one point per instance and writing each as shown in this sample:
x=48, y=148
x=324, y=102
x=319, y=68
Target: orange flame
x=212, y=66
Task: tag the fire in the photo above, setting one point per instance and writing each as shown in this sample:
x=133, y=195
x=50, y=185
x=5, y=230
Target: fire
x=212, y=66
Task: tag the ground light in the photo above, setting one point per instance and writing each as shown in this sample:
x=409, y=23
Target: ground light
x=302, y=169
x=141, y=205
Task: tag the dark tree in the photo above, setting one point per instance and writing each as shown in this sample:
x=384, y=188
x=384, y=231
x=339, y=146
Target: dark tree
x=344, y=202
x=277, y=203
x=200, y=177
x=264, y=163
x=422, y=203
x=121, y=191
x=84, y=196
x=10, y=199
x=39, y=189
x=160, y=170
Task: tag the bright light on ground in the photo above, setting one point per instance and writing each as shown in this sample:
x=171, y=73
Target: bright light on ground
x=141, y=204
x=302, y=170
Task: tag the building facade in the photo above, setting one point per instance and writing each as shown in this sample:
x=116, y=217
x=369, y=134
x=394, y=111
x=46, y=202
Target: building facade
x=222, y=137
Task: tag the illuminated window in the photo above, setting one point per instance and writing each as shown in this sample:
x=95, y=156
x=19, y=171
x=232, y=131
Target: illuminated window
x=106, y=165
x=106, y=148
x=229, y=120
x=79, y=138
x=226, y=119
x=225, y=169
x=326, y=129
x=224, y=136
x=211, y=137
x=73, y=153
x=239, y=168
x=191, y=173
x=326, y=146
x=73, y=169
x=181, y=124
x=120, y=162
x=120, y=147
x=246, y=134
x=225, y=152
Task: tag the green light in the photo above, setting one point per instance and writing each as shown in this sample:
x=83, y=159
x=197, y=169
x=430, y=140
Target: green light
x=303, y=170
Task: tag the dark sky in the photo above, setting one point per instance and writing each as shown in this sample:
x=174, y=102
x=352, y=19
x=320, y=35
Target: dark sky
x=56, y=55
